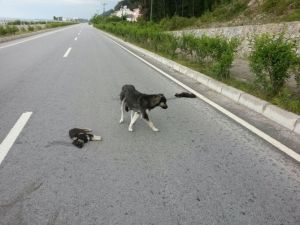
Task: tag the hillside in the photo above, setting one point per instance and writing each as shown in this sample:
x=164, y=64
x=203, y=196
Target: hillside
x=212, y=13
x=242, y=12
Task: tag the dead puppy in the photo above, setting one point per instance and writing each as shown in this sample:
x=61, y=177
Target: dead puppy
x=140, y=104
x=185, y=95
x=81, y=136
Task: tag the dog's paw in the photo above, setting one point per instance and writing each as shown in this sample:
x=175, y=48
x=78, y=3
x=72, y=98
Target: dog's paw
x=121, y=121
x=130, y=129
x=96, y=138
x=155, y=129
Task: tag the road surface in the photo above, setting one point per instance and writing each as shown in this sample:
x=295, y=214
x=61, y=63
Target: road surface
x=201, y=168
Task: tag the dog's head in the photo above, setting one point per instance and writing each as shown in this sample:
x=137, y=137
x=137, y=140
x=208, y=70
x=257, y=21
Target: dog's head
x=160, y=100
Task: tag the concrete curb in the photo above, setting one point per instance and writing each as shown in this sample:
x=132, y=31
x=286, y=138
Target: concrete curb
x=297, y=127
x=232, y=93
x=274, y=113
x=281, y=116
x=253, y=103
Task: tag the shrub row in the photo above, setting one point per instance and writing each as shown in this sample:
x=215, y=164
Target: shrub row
x=58, y=24
x=8, y=30
x=273, y=59
x=13, y=29
x=215, y=51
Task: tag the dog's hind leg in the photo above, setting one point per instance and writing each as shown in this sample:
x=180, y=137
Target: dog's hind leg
x=149, y=122
x=122, y=111
x=133, y=120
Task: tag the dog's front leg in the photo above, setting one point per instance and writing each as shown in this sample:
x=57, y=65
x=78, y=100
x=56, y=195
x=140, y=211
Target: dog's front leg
x=149, y=122
x=122, y=112
x=133, y=120
x=131, y=114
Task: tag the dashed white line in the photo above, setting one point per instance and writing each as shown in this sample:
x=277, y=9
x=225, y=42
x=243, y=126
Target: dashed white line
x=13, y=134
x=75, y=39
x=67, y=52
x=245, y=124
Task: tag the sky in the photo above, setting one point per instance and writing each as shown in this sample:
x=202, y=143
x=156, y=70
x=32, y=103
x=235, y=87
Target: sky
x=46, y=9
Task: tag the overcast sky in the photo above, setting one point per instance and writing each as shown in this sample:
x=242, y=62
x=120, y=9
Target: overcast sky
x=46, y=9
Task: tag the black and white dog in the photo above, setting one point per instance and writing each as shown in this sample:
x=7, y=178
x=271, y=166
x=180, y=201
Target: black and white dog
x=140, y=104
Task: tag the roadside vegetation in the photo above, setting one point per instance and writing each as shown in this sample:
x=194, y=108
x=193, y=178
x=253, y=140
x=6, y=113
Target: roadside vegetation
x=273, y=59
x=20, y=27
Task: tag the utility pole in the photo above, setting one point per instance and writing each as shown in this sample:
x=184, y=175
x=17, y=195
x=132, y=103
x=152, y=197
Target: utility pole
x=104, y=4
x=151, y=10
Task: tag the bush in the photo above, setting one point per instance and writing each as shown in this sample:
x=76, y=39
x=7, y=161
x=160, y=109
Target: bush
x=3, y=30
x=8, y=30
x=22, y=29
x=30, y=28
x=38, y=27
x=15, y=22
x=216, y=50
x=270, y=60
x=13, y=29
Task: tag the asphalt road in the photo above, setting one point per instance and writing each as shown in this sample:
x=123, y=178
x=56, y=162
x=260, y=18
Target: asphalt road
x=201, y=168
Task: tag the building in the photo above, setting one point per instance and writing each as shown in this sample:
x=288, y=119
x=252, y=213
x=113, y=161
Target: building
x=130, y=15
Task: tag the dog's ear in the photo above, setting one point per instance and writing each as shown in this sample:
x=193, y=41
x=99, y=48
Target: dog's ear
x=156, y=99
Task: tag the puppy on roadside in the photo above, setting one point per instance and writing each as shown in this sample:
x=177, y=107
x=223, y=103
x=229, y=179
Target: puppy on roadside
x=81, y=136
x=140, y=104
x=185, y=95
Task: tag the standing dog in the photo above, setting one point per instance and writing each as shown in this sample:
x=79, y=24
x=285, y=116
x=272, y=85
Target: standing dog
x=139, y=104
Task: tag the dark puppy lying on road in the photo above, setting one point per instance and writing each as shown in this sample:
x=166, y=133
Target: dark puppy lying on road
x=140, y=104
x=185, y=95
x=81, y=136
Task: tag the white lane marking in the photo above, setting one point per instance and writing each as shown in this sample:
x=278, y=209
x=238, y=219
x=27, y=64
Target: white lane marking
x=13, y=134
x=245, y=124
x=75, y=39
x=78, y=33
x=67, y=52
x=35, y=37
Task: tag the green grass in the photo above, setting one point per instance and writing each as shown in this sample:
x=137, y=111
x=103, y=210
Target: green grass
x=294, y=16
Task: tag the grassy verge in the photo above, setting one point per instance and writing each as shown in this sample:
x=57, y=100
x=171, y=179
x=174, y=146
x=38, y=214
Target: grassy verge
x=10, y=30
x=286, y=99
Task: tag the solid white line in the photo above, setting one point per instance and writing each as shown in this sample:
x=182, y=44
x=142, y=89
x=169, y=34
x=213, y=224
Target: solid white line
x=67, y=52
x=75, y=39
x=13, y=134
x=35, y=37
x=245, y=124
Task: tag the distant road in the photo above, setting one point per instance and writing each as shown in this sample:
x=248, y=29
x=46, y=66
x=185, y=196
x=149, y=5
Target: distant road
x=201, y=168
